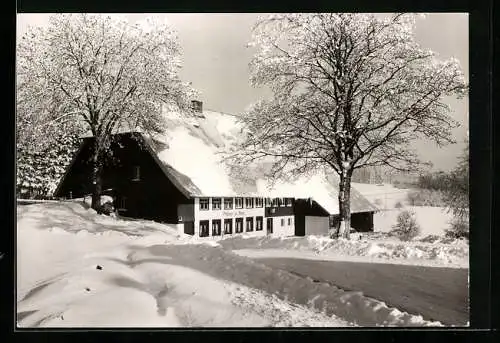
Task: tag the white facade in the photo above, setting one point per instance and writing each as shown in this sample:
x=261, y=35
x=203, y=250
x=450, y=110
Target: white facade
x=222, y=214
x=282, y=225
x=316, y=225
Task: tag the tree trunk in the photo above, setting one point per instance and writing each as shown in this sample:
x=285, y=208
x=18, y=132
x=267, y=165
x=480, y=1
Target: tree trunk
x=345, y=205
x=96, y=180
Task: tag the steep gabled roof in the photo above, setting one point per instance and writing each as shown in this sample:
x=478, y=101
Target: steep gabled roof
x=191, y=155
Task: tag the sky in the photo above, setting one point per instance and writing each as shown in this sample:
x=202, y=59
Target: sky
x=216, y=58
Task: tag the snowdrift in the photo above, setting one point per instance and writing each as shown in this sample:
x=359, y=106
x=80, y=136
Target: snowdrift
x=371, y=247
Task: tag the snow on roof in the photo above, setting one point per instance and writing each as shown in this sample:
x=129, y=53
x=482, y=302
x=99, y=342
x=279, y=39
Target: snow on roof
x=192, y=153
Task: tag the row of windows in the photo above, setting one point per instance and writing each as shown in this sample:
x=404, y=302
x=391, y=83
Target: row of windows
x=228, y=226
x=238, y=203
x=247, y=222
x=278, y=202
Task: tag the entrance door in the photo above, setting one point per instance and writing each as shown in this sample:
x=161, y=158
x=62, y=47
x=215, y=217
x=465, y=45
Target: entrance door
x=269, y=225
x=189, y=228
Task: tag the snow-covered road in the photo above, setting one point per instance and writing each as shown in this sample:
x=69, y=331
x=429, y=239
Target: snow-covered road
x=439, y=294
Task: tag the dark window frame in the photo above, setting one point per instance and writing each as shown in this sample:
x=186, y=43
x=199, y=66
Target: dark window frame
x=204, y=201
x=214, y=231
x=228, y=201
x=216, y=201
x=282, y=222
x=249, y=202
x=259, y=219
x=230, y=221
x=236, y=201
x=207, y=230
x=236, y=221
x=259, y=202
x=249, y=220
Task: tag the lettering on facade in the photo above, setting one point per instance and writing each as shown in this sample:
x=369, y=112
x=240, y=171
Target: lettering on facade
x=233, y=213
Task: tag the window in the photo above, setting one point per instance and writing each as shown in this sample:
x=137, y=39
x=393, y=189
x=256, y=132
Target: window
x=228, y=226
x=238, y=203
x=280, y=202
x=216, y=202
x=249, y=202
x=203, y=228
x=137, y=173
x=239, y=225
x=282, y=222
x=288, y=202
x=268, y=202
x=204, y=204
x=216, y=227
x=275, y=202
x=289, y=221
x=259, y=202
x=258, y=224
x=228, y=203
x=249, y=224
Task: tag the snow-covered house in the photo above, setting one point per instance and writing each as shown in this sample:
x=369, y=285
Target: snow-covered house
x=181, y=178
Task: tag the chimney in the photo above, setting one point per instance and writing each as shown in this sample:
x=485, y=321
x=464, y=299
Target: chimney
x=197, y=106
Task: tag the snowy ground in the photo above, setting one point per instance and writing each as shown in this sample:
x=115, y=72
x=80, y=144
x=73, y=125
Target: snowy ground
x=432, y=220
x=78, y=269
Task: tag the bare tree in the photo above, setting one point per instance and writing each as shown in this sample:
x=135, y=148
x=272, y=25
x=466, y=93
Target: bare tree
x=457, y=193
x=349, y=91
x=99, y=74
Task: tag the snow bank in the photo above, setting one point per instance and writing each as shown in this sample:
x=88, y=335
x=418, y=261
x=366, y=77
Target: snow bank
x=75, y=217
x=382, y=248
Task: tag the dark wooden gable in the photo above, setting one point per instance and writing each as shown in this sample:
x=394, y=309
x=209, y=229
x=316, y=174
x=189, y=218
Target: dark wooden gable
x=133, y=176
